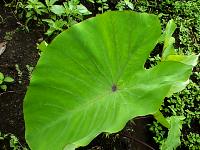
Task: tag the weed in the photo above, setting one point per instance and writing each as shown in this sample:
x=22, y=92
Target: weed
x=19, y=72
x=193, y=141
x=9, y=35
x=30, y=70
x=103, y=5
x=57, y=15
x=4, y=80
x=13, y=140
x=2, y=20
x=123, y=4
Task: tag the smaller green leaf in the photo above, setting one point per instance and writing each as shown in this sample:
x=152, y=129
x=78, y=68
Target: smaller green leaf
x=83, y=10
x=191, y=60
x=3, y=87
x=173, y=138
x=188, y=60
x=91, y=1
x=177, y=87
x=129, y=4
x=71, y=5
x=8, y=79
x=57, y=25
x=58, y=9
x=1, y=77
x=42, y=46
x=170, y=28
x=50, y=31
x=168, y=48
x=29, y=14
x=49, y=21
x=29, y=7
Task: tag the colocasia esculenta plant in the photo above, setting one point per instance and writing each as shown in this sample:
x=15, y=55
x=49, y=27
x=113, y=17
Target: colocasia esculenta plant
x=91, y=79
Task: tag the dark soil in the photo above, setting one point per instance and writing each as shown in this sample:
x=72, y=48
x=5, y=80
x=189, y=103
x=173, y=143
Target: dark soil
x=21, y=50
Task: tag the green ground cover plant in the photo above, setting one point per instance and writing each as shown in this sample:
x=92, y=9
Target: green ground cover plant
x=96, y=82
x=13, y=141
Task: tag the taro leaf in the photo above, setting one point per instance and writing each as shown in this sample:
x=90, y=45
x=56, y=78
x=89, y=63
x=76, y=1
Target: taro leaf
x=173, y=139
x=91, y=79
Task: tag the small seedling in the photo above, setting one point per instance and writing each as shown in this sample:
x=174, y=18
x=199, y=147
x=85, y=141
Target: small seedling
x=9, y=35
x=30, y=70
x=42, y=46
x=121, y=5
x=4, y=80
x=57, y=15
x=104, y=6
x=13, y=140
x=19, y=72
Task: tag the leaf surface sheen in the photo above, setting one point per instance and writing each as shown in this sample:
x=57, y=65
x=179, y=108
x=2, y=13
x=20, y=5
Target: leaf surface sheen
x=91, y=79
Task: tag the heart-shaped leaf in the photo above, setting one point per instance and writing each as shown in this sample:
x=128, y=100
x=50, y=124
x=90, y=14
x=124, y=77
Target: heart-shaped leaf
x=91, y=79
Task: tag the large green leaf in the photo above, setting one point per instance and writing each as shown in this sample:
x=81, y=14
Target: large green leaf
x=91, y=79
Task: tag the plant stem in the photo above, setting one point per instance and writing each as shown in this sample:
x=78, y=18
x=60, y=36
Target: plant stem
x=139, y=141
x=161, y=119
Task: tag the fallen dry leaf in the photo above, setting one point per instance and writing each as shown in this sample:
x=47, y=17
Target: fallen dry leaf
x=2, y=47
